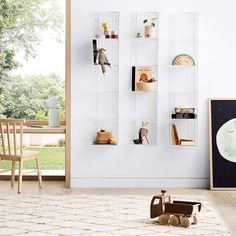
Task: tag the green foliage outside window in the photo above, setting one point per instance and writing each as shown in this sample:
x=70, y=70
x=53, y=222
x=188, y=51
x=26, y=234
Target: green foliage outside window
x=23, y=96
x=21, y=25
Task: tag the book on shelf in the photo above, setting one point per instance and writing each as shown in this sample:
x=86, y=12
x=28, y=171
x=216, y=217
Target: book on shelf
x=141, y=74
x=184, y=116
x=184, y=110
x=95, y=51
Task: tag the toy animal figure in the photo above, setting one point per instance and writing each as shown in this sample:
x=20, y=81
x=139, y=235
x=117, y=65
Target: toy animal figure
x=102, y=60
x=143, y=133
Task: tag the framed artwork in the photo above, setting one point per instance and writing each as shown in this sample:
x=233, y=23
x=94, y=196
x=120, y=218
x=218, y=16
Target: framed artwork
x=222, y=140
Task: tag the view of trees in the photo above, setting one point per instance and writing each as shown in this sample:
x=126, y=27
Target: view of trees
x=23, y=96
x=21, y=25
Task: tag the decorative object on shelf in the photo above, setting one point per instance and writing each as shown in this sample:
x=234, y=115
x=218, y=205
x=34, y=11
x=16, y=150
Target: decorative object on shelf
x=54, y=116
x=95, y=51
x=105, y=30
x=180, y=141
x=143, y=133
x=149, y=28
x=104, y=137
x=184, y=116
x=139, y=35
x=102, y=60
x=184, y=110
x=114, y=35
x=106, y=34
x=184, y=113
x=183, y=60
x=102, y=129
x=222, y=138
x=142, y=79
x=176, y=213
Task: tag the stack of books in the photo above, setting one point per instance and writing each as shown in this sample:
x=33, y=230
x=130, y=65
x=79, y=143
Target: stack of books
x=184, y=113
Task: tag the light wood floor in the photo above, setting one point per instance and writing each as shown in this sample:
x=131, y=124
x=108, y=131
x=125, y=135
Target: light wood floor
x=225, y=201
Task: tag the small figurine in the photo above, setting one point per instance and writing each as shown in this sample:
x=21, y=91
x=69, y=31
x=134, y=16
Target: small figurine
x=102, y=60
x=102, y=129
x=114, y=35
x=138, y=35
x=105, y=28
x=143, y=133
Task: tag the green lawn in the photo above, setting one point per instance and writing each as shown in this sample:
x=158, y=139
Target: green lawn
x=50, y=159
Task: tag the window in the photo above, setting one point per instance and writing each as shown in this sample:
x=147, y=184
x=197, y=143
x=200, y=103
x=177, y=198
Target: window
x=32, y=69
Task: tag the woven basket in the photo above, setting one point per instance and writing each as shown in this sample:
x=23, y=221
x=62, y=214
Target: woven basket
x=147, y=87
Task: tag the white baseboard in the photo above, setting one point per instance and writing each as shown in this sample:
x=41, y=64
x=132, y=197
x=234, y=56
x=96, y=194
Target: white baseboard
x=140, y=183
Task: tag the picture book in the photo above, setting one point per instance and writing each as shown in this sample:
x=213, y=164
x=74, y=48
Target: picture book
x=141, y=74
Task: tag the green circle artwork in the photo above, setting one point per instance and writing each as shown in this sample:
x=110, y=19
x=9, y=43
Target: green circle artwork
x=226, y=140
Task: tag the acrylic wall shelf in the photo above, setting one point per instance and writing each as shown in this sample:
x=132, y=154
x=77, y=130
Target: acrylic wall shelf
x=183, y=83
x=105, y=89
x=144, y=96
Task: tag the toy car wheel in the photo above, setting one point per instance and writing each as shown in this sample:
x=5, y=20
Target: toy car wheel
x=163, y=219
x=174, y=220
x=194, y=220
x=185, y=222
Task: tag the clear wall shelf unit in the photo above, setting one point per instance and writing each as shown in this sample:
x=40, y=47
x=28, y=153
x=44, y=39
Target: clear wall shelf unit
x=106, y=86
x=144, y=76
x=183, y=79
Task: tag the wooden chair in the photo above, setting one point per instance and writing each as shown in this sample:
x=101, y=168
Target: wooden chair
x=179, y=141
x=12, y=151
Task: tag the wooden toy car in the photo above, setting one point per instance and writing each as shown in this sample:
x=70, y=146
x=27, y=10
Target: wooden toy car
x=176, y=212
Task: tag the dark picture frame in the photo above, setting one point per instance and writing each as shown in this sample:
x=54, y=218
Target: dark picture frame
x=222, y=112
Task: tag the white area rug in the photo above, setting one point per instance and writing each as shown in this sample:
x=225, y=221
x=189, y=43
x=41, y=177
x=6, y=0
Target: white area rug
x=97, y=215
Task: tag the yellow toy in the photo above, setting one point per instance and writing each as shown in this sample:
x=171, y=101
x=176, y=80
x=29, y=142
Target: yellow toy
x=105, y=27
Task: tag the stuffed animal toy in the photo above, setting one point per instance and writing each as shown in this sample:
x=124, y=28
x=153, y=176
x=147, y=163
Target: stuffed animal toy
x=102, y=59
x=143, y=133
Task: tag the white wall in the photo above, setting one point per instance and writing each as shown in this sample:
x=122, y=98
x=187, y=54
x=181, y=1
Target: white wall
x=127, y=165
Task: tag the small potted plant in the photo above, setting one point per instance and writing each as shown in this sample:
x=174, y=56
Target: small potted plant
x=149, y=27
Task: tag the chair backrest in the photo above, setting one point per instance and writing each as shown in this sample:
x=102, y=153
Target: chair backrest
x=8, y=130
x=175, y=135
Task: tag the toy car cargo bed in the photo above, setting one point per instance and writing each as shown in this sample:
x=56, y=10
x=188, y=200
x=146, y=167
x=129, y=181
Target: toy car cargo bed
x=183, y=208
x=191, y=203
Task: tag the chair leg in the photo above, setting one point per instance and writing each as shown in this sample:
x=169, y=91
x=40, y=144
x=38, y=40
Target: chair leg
x=13, y=169
x=39, y=173
x=20, y=175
